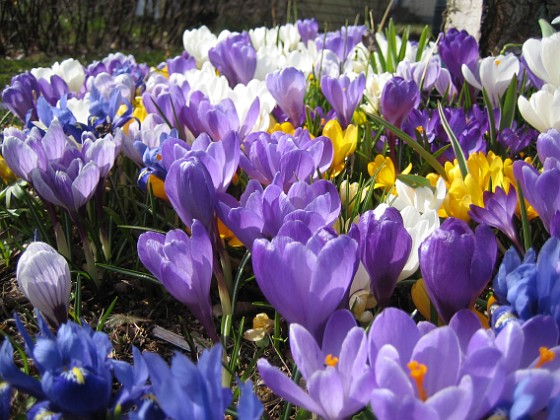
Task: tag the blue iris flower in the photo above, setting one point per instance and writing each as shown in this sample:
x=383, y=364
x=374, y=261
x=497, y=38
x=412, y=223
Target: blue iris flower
x=74, y=366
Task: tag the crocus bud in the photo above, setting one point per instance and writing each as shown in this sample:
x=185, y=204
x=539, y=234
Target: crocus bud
x=191, y=191
x=43, y=276
x=456, y=264
x=399, y=97
x=288, y=87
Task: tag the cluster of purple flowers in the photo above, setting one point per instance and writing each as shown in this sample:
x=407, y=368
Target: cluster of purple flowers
x=229, y=136
x=406, y=370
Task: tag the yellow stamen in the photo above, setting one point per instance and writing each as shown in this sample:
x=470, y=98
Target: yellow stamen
x=417, y=372
x=498, y=62
x=420, y=129
x=331, y=360
x=546, y=355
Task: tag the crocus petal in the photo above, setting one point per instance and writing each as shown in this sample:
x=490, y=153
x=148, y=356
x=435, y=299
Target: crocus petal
x=284, y=387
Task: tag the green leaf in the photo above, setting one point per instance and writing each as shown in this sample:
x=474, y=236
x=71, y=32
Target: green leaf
x=424, y=38
x=509, y=104
x=546, y=28
x=127, y=272
x=454, y=142
x=525, y=226
x=413, y=144
x=414, y=181
x=491, y=120
x=108, y=312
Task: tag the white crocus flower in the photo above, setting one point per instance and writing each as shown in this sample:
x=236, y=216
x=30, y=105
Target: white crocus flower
x=80, y=108
x=422, y=199
x=70, y=70
x=269, y=59
x=262, y=37
x=374, y=88
x=197, y=42
x=243, y=97
x=494, y=74
x=542, y=110
x=418, y=226
x=289, y=35
x=542, y=55
x=43, y=276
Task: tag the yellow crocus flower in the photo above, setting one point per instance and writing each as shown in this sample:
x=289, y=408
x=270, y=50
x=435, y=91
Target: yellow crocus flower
x=344, y=143
x=287, y=127
x=486, y=173
x=5, y=172
x=383, y=169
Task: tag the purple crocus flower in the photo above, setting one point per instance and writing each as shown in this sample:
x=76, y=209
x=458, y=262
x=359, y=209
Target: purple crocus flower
x=398, y=98
x=338, y=379
x=53, y=89
x=307, y=29
x=184, y=266
x=306, y=279
x=235, y=58
x=456, y=264
x=457, y=48
x=43, y=276
x=383, y=248
x=168, y=101
x=191, y=191
x=469, y=128
x=548, y=145
x=341, y=42
x=221, y=158
x=288, y=87
x=217, y=120
x=530, y=352
x=540, y=189
x=21, y=95
x=498, y=211
x=423, y=74
x=515, y=138
x=296, y=157
x=344, y=95
x=180, y=64
x=424, y=372
x=261, y=213
x=24, y=152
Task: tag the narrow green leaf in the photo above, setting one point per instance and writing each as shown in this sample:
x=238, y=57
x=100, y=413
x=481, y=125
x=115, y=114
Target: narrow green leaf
x=509, y=104
x=404, y=43
x=546, y=28
x=413, y=144
x=491, y=119
x=380, y=56
x=424, y=38
x=414, y=181
x=128, y=272
x=454, y=142
x=108, y=312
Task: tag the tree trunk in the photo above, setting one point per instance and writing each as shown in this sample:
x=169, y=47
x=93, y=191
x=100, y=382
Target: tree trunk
x=506, y=21
x=501, y=22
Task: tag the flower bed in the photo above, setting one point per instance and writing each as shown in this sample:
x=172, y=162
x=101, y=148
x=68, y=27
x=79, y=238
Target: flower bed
x=386, y=209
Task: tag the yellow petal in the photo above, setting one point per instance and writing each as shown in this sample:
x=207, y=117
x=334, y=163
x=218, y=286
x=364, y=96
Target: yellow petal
x=421, y=300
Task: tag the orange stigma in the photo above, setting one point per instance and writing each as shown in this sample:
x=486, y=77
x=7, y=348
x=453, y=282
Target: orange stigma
x=546, y=355
x=417, y=372
x=331, y=360
x=498, y=62
x=420, y=129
